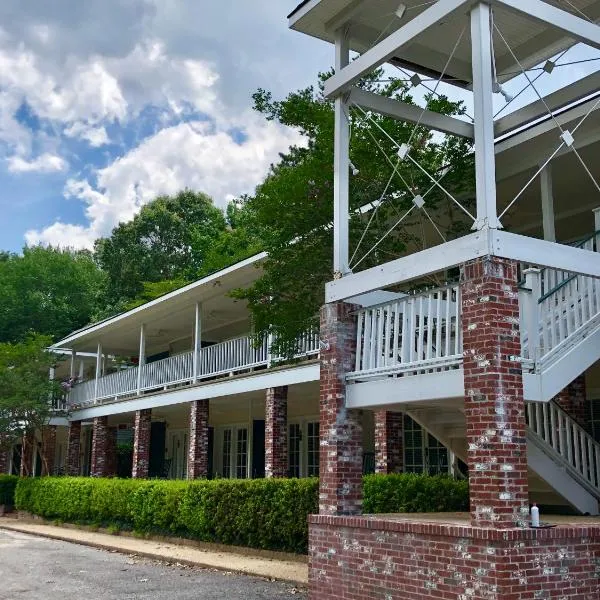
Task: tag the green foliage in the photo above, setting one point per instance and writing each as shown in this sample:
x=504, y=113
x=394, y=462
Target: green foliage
x=291, y=212
x=168, y=240
x=47, y=290
x=260, y=513
x=24, y=387
x=8, y=484
x=411, y=493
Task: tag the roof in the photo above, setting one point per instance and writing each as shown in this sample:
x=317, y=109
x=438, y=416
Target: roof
x=304, y=3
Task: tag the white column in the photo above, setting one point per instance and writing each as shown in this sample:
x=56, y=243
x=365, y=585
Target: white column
x=197, y=339
x=73, y=359
x=98, y=371
x=485, y=162
x=341, y=167
x=141, y=357
x=547, y=203
x=533, y=282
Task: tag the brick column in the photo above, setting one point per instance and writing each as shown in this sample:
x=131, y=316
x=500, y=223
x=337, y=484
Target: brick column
x=197, y=467
x=27, y=449
x=494, y=405
x=48, y=450
x=141, y=444
x=340, y=483
x=388, y=442
x=276, y=439
x=573, y=401
x=100, y=443
x=73, y=467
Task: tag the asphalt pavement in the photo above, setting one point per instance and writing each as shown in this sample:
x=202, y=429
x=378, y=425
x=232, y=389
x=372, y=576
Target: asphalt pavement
x=33, y=568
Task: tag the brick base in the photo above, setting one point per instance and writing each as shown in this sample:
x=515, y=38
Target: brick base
x=100, y=447
x=276, y=439
x=141, y=444
x=73, y=468
x=357, y=558
x=197, y=466
x=388, y=442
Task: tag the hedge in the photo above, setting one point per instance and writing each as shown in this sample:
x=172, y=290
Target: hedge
x=8, y=483
x=262, y=513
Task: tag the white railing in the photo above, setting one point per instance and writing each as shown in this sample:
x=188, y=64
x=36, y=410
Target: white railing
x=410, y=335
x=226, y=358
x=567, y=438
x=168, y=371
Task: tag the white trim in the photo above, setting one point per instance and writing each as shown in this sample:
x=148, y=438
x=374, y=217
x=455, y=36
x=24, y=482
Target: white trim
x=573, y=26
x=389, y=46
x=196, y=284
x=212, y=390
x=300, y=13
x=411, y=113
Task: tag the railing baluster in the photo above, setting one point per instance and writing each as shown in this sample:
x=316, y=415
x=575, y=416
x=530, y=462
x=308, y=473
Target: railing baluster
x=576, y=446
x=447, y=323
x=359, y=340
x=430, y=321
x=380, y=347
x=397, y=332
x=421, y=329
x=553, y=427
x=438, y=324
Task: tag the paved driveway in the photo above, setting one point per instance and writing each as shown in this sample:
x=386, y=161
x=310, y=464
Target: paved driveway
x=40, y=569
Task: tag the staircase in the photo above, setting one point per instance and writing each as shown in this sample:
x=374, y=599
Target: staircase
x=412, y=349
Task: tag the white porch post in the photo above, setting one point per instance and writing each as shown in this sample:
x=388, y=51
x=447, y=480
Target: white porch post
x=341, y=182
x=73, y=359
x=533, y=282
x=485, y=162
x=98, y=370
x=141, y=357
x=197, y=339
x=547, y=204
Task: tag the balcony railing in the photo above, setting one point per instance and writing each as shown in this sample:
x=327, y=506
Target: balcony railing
x=227, y=358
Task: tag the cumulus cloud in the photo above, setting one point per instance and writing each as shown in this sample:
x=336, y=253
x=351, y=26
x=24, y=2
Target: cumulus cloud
x=46, y=163
x=96, y=136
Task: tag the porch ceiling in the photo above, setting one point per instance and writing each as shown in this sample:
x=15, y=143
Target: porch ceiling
x=372, y=20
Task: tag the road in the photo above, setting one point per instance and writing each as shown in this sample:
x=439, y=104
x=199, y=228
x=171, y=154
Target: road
x=33, y=568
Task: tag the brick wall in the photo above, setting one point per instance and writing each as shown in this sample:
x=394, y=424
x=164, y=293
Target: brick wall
x=357, y=558
x=74, y=449
x=573, y=401
x=388, y=442
x=48, y=450
x=198, y=450
x=340, y=482
x=276, y=438
x=494, y=404
x=100, y=443
x=141, y=444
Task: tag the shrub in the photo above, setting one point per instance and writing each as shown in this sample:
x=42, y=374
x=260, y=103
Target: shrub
x=8, y=483
x=260, y=513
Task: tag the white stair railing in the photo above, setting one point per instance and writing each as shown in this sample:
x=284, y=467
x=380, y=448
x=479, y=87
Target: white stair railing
x=409, y=335
x=553, y=426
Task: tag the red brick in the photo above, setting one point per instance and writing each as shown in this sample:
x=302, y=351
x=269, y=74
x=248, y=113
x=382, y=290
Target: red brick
x=141, y=444
x=197, y=467
x=276, y=439
x=73, y=466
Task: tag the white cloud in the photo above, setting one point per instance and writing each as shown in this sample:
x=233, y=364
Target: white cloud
x=45, y=163
x=95, y=136
x=193, y=155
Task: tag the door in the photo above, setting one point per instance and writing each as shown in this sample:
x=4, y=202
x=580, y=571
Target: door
x=258, y=449
x=156, y=465
x=177, y=455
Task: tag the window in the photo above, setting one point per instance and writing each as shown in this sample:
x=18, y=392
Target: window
x=227, y=453
x=241, y=470
x=294, y=449
x=423, y=453
x=437, y=457
x=313, y=449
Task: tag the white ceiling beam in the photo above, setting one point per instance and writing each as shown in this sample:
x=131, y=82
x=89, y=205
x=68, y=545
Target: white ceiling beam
x=555, y=101
x=345, y=15
x=409, y=268
x=413, y=114
x=389, y=46
x=573, y=26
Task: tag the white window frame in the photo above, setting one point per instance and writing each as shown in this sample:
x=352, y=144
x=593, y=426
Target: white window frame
x=218, y=449
x=303, y=422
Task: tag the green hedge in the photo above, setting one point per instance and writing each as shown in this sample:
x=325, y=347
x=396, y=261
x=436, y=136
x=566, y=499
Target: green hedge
x=261, y=513
x=8, y=483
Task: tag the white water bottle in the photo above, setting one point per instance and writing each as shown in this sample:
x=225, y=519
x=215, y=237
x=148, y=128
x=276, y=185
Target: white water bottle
x=535, y=516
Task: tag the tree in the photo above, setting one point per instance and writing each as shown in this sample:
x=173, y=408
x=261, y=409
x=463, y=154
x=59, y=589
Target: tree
x=26, y=391
x=291, y=212
x=50, y=291
x=168, y=239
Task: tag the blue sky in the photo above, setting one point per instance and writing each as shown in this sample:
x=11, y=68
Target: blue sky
x=105, y=104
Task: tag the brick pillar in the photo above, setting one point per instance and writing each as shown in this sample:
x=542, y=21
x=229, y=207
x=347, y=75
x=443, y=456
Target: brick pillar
x=340, y=483
x=388, y=442
x=197, y=467
x=276, y=439
x=27, y=449
x=100, y=444
x=73, y=467
x=494, y=405
x=141, y=444
x=573, y=401
x=48, y=450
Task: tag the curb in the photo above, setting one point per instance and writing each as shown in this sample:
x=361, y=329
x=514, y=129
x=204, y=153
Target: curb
x=151, y=555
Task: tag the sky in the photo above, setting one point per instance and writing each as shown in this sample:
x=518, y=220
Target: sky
x=105, y=104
